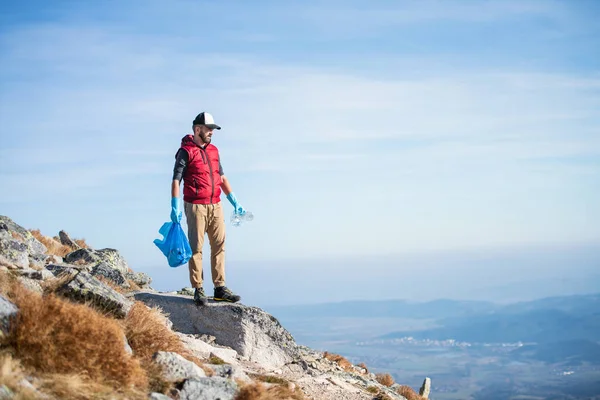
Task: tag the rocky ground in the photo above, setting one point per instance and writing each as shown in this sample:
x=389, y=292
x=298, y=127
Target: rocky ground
x=249, y=344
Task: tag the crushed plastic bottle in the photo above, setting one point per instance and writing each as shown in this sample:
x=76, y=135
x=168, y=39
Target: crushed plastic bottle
x=238, y=219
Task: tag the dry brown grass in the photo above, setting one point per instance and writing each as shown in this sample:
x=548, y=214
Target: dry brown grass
x=382, y=396
x=17, y=236
x=408, y=392
x=385, y=379
x=269, y=379
x=363, y=366
x=373, y=389
x=78, y=387
x=81, y=243
x=11, y=374
x=52, y=335
x=341, y=361
x=147, y=333
x=54, y=246
x=258, y=391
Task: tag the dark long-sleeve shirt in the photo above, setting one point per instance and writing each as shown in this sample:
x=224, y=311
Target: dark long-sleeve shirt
x=181, y=163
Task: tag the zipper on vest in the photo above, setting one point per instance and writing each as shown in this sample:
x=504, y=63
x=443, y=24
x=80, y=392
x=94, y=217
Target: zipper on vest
x=196, y=186
x=210, y=171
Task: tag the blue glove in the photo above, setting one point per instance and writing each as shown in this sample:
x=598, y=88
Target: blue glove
x=237, y=207
x=175, y=212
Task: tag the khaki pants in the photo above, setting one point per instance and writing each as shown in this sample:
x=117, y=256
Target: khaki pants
x=201, y=219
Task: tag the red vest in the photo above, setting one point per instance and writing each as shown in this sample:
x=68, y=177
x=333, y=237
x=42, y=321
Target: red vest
x=201, y=181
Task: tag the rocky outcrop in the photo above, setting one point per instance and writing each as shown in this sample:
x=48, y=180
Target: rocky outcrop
x=67, y=241
x=84, y=288
x=14, y=252
x=238, y=343
x=8, y=311
x=425, y=388
x=250, y=331
x=176, y=368
x=8, y=228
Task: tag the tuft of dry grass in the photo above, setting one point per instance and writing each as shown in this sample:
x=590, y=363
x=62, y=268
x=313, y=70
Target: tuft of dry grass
x=408, y=392
x=17, y=236
x=81, y=243
x=80, y=387
x=258, y=391
x=147, y=333
x=363, y=366
x=385, y=379
x=216, y=360
x=11, y=376
x=372, y=389
x=54, y=246
x=341, y=361
x=382, y=396
x=270, y=379
x=53, y=335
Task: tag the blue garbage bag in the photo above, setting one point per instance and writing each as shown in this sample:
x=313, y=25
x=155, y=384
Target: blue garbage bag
x=174, y=244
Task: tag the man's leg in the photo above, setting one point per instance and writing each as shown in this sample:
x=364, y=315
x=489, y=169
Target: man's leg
x=196, y=217
x=216, y=237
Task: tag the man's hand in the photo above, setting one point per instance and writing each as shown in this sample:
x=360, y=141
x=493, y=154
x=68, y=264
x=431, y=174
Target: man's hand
x=237, y=207
x=175, y=212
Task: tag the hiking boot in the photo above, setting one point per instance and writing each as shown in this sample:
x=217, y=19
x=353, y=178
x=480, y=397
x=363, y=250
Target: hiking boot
x=199, y=297
x=224, y=294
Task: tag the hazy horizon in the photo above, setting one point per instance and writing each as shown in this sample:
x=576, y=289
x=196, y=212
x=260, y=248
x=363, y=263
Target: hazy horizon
x=502, y=275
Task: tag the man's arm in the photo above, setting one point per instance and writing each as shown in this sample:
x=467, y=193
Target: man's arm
x=225, y=186
x=175, y=188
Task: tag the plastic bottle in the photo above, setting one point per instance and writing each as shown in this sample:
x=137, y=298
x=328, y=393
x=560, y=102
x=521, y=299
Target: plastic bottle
x=238, y=219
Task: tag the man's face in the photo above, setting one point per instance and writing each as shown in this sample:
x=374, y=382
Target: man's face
x=203, y=134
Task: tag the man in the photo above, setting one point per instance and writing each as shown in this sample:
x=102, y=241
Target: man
x=197, y=162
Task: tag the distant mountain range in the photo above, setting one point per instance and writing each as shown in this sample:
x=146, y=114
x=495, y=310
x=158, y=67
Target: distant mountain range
x=565, y=328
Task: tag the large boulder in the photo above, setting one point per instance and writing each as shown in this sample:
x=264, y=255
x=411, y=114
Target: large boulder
x=208, y=389
x=105, y=271
x=8, y=227
x=8, y=311
x=14, y=253
x=84, y=288
x=110, y=257
x=250, y=331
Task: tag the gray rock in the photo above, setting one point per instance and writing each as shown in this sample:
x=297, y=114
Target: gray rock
x=31, y=284
x=34, y=246
x=67, y=241
x=85, y=288
x=109, y=256
x=203, y=350
x=37, y=261
x=62, y=270
x=176, y=368
x=208, y=389
x=186, y=291
x=104, y=270
x=425, y=388
x=6, y=393
x=53, y=259
x=229, y=372
x=40, y=275
x=158, y=396
x=250, y=331
x=139, y=278
x=8, y=311
x=15, y=252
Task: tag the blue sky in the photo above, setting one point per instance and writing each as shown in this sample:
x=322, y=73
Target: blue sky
x=350, y=129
